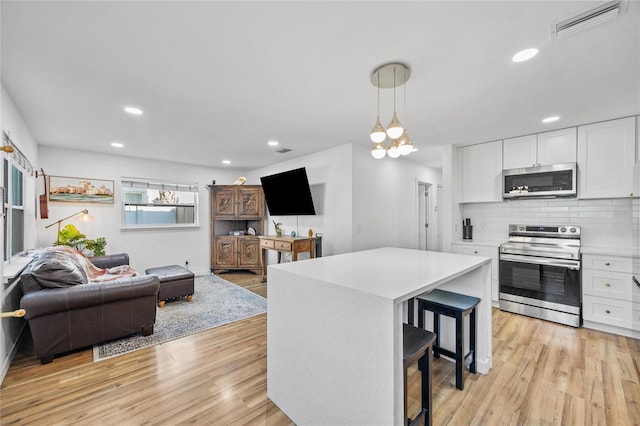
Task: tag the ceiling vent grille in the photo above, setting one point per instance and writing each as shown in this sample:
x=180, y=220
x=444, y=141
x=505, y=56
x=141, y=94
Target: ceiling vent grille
x=587, y=18
x=283, y=150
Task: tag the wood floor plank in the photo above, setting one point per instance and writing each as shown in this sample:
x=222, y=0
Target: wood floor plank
x=543, y=374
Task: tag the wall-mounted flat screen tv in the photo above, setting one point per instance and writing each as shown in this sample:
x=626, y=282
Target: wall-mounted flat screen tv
x=288, y=193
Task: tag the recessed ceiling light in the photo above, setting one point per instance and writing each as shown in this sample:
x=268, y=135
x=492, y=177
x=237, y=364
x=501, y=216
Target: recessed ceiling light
x=226, y=161
x=524, y=55
x=133, y=110
x=117, y=144
x=273, y=143
x=550, y=119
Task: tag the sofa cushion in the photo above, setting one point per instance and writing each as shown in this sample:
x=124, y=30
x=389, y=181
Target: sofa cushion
x=56, y=270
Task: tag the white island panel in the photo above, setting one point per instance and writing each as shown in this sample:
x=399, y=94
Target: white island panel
x=320, y=347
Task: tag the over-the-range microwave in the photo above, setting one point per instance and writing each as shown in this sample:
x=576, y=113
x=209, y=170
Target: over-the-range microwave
x=557, y=180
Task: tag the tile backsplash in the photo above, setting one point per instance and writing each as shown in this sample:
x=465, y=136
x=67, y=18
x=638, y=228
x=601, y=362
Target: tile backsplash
x=604, y=222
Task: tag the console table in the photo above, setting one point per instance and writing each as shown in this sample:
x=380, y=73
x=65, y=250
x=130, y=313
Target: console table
x=293, y=245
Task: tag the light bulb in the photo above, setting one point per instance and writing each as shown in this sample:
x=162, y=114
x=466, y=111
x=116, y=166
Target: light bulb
x=395, y=129
x=394, y=150
x=377, y=133
x=378, y=151
x=404, y=144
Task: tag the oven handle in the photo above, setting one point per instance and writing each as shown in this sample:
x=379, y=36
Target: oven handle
x=571, y=264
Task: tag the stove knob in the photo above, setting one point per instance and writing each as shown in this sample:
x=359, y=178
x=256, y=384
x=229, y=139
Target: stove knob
x=563, y=229
x=521, y=228
x=572, y=230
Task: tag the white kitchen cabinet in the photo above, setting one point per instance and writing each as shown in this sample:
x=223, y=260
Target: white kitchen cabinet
x=556, y=147
x=486, y=250
x=481, y=172
x=606, y=158
x=608, y=293
x=520, y=152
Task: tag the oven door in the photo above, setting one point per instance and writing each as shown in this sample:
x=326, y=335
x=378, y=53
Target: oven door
x=551, y=281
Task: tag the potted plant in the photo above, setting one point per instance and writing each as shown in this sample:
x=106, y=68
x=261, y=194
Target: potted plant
x=72, y=237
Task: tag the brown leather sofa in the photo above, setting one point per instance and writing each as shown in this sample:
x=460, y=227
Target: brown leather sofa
x=65, y=313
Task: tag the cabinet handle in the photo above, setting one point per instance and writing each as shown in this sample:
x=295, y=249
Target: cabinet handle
x=607, y=284
x=475, y=252
x=607, y=264
x=631, y=194
x=607, y=311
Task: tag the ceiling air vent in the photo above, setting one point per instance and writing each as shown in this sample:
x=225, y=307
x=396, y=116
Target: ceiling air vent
x=283, y=150
x=587, y=18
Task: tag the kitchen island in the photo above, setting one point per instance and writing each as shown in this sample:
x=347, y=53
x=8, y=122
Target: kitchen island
x=334, y=330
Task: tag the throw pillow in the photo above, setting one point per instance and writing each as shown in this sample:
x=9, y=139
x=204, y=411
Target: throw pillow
x=56, y=270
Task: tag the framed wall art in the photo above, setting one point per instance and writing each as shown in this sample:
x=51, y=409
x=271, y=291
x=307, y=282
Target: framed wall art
x=80, y=190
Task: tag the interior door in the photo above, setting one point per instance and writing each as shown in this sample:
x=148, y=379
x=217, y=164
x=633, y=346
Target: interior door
x=423, y=215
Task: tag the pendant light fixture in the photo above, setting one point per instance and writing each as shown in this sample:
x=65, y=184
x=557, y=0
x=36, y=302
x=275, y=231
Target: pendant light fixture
x=388, y=76
x=404, y=144
x=394, y=129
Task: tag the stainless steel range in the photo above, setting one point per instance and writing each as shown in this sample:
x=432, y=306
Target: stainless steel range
x=540, y=273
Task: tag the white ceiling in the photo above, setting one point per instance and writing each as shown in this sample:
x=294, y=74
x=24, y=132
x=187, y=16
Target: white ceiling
x=217, y=80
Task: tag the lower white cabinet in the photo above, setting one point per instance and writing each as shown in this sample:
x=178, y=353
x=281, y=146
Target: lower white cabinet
x=608, y=294
x=486, y=250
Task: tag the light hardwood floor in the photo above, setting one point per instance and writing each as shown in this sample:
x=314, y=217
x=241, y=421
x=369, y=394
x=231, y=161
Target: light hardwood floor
x=543, y=374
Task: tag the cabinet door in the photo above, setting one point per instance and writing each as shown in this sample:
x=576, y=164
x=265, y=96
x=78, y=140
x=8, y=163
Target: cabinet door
x=492, y=252
x=250, y=203
x=557, y=147
x=248, y=252
x=519, y=152
x=481, y=172
x=606, y=156
x=224, y=252
x=224, y=206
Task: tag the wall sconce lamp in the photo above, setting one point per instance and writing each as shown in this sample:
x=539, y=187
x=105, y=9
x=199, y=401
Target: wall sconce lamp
x=86, y=217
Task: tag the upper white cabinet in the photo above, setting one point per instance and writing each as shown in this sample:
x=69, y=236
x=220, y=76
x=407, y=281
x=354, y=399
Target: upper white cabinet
x=520, y=152
x=606, y=157
x=542, y=149
x=481, y=172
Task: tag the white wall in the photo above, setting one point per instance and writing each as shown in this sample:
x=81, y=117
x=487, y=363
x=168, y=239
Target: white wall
x=329, y=174
x=450, y=211
x=12, y=123
x=385, y=200
x=146, y=248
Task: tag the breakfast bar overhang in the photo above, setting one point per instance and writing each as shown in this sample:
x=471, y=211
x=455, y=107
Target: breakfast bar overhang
x=334, y=330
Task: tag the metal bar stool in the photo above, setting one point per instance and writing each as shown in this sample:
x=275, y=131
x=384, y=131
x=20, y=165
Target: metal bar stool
x=456, y=306
x=416, y=346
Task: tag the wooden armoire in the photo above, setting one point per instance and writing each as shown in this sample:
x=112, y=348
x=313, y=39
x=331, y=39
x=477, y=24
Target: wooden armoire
x=233, y=210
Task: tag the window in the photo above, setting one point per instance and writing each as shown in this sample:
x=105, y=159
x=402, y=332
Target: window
x=153, y=204
x=14, y=167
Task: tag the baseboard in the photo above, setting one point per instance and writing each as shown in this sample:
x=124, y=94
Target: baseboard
x=611, y=329
x=6, y=362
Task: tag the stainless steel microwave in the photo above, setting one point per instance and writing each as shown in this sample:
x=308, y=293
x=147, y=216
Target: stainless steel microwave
x=557, y=180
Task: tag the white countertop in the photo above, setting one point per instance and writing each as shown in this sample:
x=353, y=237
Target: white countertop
x=391, y=273
x=487, y=243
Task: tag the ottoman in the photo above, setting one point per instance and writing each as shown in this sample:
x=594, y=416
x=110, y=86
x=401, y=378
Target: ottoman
x=175, y=281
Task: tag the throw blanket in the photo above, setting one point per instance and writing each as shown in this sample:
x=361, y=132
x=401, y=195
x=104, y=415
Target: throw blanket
x=93, y=273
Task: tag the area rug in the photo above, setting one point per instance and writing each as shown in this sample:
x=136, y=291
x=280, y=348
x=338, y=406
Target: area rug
x=215, y=302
